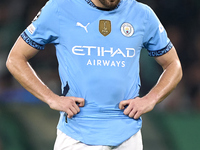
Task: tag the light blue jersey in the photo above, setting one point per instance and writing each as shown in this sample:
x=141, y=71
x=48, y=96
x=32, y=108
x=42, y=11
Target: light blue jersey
x=98, y=53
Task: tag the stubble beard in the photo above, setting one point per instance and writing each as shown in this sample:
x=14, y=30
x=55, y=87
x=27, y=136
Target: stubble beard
x=110, y=4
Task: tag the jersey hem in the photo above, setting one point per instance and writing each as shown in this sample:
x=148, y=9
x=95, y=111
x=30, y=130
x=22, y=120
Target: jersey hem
x=74, y=129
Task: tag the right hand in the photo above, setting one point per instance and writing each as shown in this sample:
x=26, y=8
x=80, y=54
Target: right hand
x=67, y=104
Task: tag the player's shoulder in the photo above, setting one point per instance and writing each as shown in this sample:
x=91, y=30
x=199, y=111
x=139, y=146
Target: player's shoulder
x=66, y=5
x=137, y=6
x=143, y=7
x=62, y=3
x=57, y=5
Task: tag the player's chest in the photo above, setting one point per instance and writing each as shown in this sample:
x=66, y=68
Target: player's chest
x=101, y=30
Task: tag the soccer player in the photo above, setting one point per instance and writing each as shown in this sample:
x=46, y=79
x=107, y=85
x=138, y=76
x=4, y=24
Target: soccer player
x=98, y=45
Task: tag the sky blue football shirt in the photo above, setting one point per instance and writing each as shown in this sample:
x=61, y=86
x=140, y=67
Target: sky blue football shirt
x=98, y=53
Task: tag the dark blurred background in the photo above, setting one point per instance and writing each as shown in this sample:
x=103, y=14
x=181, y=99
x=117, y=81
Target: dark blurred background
x=27, y=123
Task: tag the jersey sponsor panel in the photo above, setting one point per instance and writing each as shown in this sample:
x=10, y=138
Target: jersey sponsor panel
x=101, y=52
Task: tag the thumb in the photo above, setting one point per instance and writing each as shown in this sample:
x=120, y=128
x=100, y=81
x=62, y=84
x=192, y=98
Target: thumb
x=122, y=104
x=80, y=101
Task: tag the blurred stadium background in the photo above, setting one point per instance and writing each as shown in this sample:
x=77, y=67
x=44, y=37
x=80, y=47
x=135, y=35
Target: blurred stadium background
x=27, y=123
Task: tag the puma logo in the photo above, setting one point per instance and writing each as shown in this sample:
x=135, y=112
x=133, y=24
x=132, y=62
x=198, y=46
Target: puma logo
x=80, y=25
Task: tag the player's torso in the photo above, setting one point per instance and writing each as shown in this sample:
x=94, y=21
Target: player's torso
x=101, y=44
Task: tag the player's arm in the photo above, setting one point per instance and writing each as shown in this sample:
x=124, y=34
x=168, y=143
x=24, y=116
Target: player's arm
x=17, y=64
x=171, y=76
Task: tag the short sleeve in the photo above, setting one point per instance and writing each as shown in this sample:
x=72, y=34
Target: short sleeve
x=45, y=27
x=155, y=39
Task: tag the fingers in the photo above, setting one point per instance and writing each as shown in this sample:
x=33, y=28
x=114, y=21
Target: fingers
x=72, y=111
x=70, y=114
x=124, y=103
x=134, y=114
x=131, y=110
x=80, y=101
x=73, y=108
x=137, y=115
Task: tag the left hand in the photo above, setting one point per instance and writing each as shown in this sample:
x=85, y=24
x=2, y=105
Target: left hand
x=137, y=106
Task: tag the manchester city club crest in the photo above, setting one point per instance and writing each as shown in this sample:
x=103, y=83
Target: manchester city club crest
x=127, y=29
